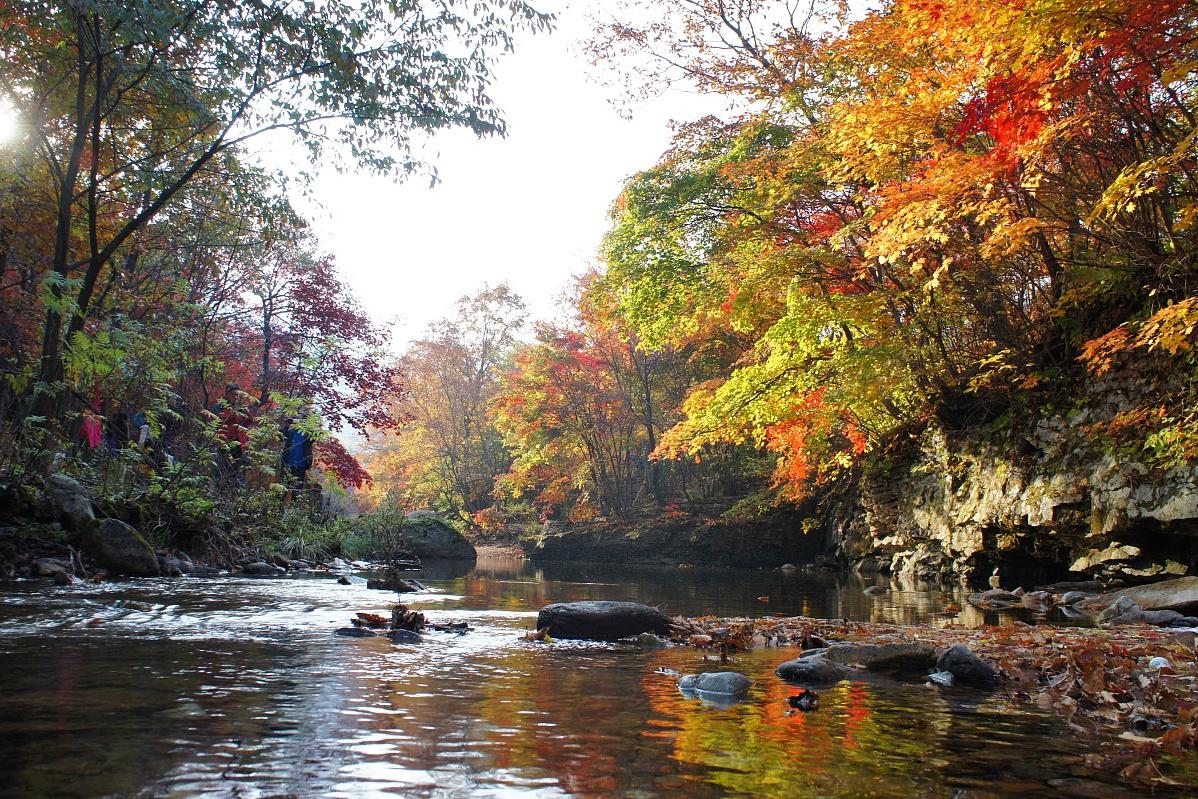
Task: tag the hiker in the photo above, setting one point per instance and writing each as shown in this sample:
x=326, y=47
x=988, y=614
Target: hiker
x=296, y=455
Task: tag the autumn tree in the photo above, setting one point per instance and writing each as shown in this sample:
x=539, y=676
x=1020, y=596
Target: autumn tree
x=450, y=453
x=131, y=104
x=920, y=211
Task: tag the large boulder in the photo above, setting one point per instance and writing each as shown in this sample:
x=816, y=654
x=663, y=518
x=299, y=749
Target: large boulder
x=70, y=503
x=429, y=537
x=120, y=549
x=601, y=620
x=1180, y=594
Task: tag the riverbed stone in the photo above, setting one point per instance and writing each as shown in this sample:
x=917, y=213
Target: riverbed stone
x=811, y=668
x=601, y=620
x=1120, y=607
x=1072, y=597
x=1158, y=618
x=966, y=667
x=355, y=632
x=119, y=548
x=1180, y=594
x=400, y=584
x=882, y=657
x=261, y=568
x=48, y=567
x=69, y=500
x=729, y=683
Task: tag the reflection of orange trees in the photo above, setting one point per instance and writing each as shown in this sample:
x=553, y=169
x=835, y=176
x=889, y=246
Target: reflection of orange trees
x=497, y=594
x=544, y=715
x=757, y=748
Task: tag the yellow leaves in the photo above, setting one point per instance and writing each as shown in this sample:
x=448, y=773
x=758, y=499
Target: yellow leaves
x=1187, y=214
x=1140, y=180
x=1171, y=330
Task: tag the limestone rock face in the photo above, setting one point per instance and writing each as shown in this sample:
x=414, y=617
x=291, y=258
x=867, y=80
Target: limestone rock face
x=120, y=549
x=966, y=501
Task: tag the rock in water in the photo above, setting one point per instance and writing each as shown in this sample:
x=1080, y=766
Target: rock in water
x=966, y=667
x=1120, y=607
x=49, y=567
x=1180, y=594
x=1159, y=618
x=811, y=668
x=727, y=683
x=262, y=569
x=120, y=549
x=355, y=632
x=72, y=506
x=944, y=679
x=602, y=620
x=882, y=657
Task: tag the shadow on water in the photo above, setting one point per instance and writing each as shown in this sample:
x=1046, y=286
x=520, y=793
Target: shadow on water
x=238, y=688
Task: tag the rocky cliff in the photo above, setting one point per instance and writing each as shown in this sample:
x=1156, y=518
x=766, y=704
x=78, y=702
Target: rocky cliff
x=1049, y=496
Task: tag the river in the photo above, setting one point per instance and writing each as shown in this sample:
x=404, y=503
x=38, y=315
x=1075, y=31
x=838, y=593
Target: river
x=231, y=687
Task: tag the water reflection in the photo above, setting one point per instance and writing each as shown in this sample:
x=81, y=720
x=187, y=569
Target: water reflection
x=238, y=688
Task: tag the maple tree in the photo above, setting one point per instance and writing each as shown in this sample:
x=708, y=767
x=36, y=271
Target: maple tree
x=921, y=209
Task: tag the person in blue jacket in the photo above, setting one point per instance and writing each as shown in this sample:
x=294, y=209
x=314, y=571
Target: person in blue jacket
x=297, y=455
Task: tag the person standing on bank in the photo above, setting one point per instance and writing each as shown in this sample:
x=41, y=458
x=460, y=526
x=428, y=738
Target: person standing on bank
x=297, y=455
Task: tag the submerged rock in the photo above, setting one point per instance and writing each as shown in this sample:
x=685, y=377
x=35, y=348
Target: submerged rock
x=601, y=620
x=355, y=632
x=811, y=668
x=727, y=683
x=120, y=549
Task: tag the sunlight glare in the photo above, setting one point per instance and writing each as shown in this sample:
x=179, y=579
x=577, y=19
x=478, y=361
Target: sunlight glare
x=9, y=126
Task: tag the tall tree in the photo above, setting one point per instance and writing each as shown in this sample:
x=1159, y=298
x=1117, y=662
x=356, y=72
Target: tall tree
x=130, y=103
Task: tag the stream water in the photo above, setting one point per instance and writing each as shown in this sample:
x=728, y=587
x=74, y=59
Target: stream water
x=233, y=687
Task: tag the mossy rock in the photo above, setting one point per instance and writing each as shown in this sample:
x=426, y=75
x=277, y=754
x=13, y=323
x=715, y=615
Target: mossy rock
x=429, y=537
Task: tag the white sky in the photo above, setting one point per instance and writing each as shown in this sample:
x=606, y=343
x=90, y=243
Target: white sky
x=529, y=209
